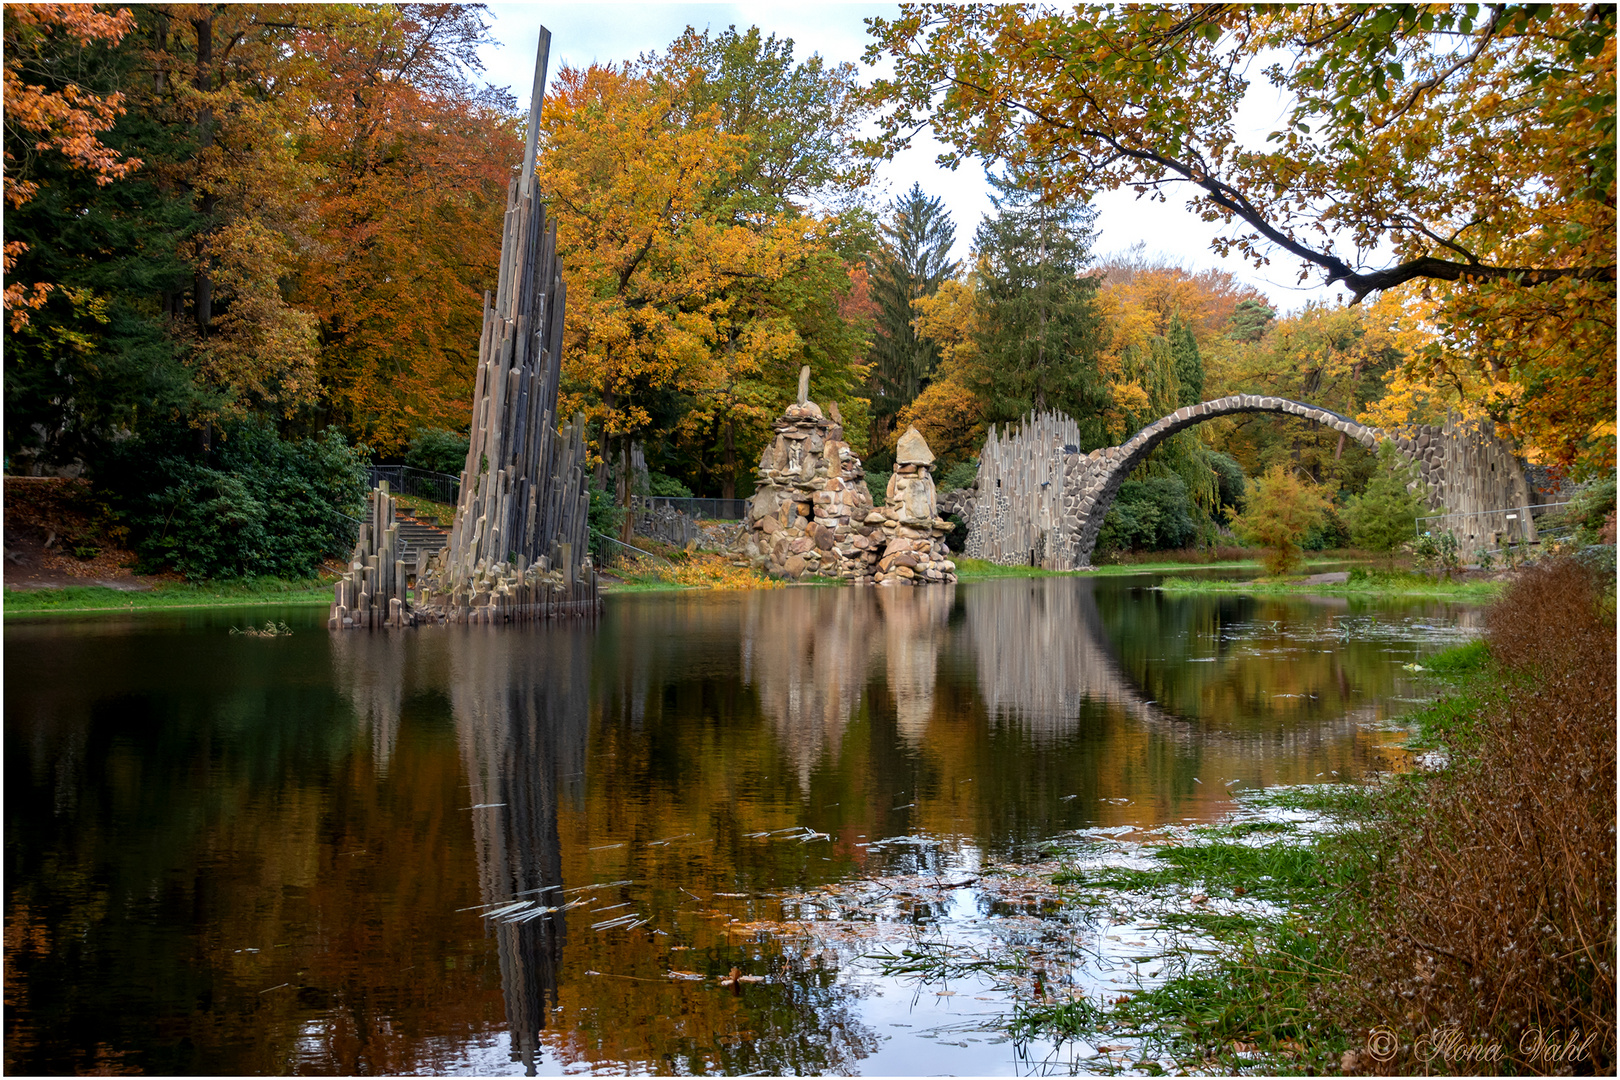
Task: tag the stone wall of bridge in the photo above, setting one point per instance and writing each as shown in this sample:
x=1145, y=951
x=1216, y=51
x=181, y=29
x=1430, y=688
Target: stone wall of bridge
x=1040, y=501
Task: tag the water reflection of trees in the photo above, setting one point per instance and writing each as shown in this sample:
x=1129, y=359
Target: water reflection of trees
x=521, y=703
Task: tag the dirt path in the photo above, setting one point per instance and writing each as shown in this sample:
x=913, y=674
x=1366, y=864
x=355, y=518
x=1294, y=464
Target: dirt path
x=56, y=535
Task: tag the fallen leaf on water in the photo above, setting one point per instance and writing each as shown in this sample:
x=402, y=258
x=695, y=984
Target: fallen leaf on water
x=685, y=975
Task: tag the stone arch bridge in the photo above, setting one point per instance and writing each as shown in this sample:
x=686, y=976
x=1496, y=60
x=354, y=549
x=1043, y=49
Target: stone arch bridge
x=1040, y=499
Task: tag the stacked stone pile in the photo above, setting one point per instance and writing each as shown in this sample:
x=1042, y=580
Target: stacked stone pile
x=811, y=512
x=913, y=533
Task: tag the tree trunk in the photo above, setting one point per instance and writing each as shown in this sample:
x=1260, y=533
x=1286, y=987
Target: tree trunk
x=728, y=487
x=203, y=283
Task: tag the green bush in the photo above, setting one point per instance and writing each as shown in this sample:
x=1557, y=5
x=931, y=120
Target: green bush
x=1149, y=515
x=1589, y=510
x=1384, y=515
x=667, y=486
x=960, y=475
x=437, y=450
x=255, y=506
x=878, y=484
x=1330, y=532
x=606, y=519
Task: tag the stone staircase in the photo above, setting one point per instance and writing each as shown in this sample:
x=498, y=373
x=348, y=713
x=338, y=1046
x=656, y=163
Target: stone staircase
x=416, y=535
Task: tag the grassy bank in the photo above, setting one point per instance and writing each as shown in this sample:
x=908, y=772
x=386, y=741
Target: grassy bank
x=77, y=598
x=1362, y=582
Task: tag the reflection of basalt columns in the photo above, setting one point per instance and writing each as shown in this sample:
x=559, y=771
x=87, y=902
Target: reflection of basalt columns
x=521, y=706
x=1042, y=652
x=371, y=670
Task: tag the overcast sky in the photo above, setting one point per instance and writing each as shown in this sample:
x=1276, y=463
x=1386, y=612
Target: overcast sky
x=611, y=32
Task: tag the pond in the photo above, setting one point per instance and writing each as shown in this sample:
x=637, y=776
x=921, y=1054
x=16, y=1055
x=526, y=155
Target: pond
x=583, y=848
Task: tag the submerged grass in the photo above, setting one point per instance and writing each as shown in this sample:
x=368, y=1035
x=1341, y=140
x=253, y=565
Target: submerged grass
x=1370, y=585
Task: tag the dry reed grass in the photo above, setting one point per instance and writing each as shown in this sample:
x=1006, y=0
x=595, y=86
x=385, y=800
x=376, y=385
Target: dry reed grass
x=1492, y=923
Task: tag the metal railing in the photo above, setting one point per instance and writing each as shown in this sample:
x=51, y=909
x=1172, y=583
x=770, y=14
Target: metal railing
x=619, y=551
x=1509, y=513
x=409, y=480
x=711, y=509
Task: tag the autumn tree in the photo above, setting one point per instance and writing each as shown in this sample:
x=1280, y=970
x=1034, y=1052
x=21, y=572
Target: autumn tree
x=411, y=155
x=1280, y=510
x=912, y=261
x=1330, y=355
x=699, y=278
x=47, y=112
x=1393, y=143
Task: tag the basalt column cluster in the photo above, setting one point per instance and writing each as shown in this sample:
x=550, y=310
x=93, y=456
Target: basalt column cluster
x=518, y=547
x=811, y=512
x=914, y=551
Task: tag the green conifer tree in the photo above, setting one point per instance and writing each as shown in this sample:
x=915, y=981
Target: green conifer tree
x=912, y=262
x=1040, y=328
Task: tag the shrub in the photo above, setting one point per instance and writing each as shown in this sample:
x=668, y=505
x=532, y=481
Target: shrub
x=1149, y=515
x=878, y=484
x=1494, y=914
x=1279, y=514
x=606, y=519
x=1330, y=532
x=437, y=450
x=667, y=486
x=1592, y=512
x=960, y=475
x=1384, y=516
x=255, y=506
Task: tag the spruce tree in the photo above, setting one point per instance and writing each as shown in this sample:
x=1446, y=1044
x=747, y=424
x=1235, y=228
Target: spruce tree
x=1189, y=365
x=912, y=262
x=1040, y=329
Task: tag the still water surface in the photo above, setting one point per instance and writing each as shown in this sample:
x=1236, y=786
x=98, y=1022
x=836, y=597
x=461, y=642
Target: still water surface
x=228, y=855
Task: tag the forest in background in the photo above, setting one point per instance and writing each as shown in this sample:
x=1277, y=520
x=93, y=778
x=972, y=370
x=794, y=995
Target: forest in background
x=243, y=236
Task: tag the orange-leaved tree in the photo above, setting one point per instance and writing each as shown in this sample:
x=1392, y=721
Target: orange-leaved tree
x=699, y=277
x=1279, y=512
x=412, y=157
x=63, y=120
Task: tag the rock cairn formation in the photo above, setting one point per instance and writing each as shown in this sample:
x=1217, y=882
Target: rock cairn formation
x=811, y=512
x=518, y=548
x=914, y=551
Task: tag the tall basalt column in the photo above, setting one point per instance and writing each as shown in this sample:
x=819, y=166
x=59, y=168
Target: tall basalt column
x=519, y=545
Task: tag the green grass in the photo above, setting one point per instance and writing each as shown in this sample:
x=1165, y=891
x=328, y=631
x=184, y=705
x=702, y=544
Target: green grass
x=76, y=598
x=1417, y=586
